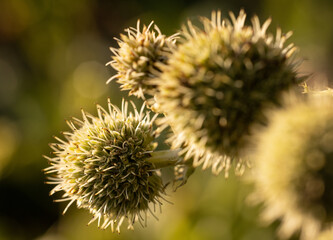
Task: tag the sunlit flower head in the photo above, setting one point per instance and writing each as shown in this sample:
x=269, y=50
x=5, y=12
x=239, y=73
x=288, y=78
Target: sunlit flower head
x=138, y=57
x=108, y=165
x=218, y=82
x=293, y=168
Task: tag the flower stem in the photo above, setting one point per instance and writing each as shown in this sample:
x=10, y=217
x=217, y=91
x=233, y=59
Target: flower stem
x=164, y=158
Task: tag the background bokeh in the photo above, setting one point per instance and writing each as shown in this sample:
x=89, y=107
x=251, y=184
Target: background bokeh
x=52, y=64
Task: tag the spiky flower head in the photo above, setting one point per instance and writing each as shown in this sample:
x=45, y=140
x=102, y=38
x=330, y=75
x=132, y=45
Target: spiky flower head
x=137, y=58
x=293, y=168
x=107, y=165
x=218, y=82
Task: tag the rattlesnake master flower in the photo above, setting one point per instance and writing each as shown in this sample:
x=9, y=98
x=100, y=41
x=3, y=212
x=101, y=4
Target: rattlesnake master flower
x=107, y=165
x=136, y=60
x=218, y=82
x=293, y=168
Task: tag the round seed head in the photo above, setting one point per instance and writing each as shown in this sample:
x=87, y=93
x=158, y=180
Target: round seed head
x=219, y=81
x=104, y=166
x=138, y=58
x=293, y=168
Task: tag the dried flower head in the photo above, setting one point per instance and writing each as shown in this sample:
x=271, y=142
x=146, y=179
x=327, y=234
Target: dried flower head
x=107, y=165
x=137, y=58
x=218, y=82
x=293, y=168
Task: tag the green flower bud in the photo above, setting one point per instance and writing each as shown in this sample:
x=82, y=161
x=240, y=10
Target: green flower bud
x=137, y=58
x=108, y=165
x=293, y=168
x=218, y=83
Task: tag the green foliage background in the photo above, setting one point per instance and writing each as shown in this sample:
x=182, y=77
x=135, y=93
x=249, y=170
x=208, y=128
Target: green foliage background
x=52, y=63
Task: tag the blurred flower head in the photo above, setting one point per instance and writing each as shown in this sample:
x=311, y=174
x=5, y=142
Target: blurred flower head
x=293, y=167
x=217, y=84
x=138, y=58
x=103, y=166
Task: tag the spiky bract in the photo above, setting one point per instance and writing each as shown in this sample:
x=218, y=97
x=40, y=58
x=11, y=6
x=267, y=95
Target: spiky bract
x=103, y=166
x=137, y=58
x=218, y=82
x=293, y=167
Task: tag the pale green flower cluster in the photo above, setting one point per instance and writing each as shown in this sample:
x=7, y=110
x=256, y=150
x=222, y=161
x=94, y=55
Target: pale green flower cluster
x=108, y=165
x=218, y=83
x=137, y=59
x=294, y=167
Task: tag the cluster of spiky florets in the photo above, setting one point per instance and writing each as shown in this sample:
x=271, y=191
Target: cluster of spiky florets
x=137, y=58
x=294, y=168
x=218, y=82
x=104, y=166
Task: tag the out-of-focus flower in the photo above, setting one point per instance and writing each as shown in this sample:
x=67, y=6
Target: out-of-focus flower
x=108, y=165
x=138, y=58
x=218, y=82
x=293, y=167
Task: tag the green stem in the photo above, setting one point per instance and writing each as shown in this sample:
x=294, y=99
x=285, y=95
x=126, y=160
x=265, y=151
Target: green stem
x=164, y=158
